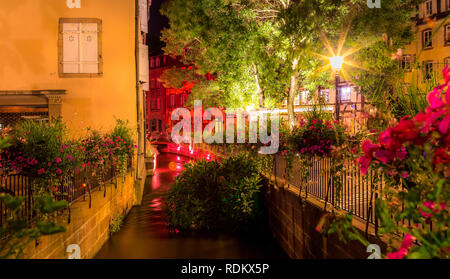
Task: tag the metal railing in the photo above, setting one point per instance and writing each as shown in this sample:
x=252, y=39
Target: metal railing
x=356, y=194
x=73, y=188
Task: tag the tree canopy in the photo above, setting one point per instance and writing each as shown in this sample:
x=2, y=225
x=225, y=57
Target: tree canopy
x=262, y=51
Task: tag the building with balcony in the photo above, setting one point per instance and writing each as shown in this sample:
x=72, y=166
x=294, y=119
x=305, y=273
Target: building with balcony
x=432, y=53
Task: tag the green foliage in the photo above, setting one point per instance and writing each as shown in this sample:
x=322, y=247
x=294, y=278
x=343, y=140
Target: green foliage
x=19, y=230
x=116, y=224
x=211, y=196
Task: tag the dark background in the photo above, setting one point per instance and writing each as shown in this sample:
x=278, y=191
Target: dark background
x=156, y=24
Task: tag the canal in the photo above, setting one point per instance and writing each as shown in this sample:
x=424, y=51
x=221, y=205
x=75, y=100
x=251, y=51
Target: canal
x=144, y=233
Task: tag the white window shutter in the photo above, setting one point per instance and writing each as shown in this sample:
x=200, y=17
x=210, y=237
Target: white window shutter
x=71, y=42
x=143, y=11
x=143, y=64
x=89, y=59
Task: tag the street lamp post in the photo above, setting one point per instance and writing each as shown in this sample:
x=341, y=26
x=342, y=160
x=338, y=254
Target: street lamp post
x=336, y=63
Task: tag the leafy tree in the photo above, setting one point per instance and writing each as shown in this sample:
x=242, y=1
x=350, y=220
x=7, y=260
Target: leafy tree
x=262, y=51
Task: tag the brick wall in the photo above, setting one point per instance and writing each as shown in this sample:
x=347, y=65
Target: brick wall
x=293, y=225
x=89, y=227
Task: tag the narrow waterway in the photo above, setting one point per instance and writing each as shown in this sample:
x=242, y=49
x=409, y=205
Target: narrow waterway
x=144, y=234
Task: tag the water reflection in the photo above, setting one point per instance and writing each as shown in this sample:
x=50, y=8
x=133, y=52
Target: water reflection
x=144, y=234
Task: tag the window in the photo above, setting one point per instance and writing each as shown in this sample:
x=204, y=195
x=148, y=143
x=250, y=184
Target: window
x=447, y=5
x=152, y=63
x=447, y=34
x=297, y=100
x=158, y=62
x=172, y=100
x=428, y=7
x=285, y=102
x=407, y=62
x=324, y=95
x=156, y=104
x=426, y=38
x=305, y=97
x=153, y=84
x=428, y=69
x=346, y=94
x=80, y=47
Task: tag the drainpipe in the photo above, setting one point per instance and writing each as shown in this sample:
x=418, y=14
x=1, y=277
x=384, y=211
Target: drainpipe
x=138, y=99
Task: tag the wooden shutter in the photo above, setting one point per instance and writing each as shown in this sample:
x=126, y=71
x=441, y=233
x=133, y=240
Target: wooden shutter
x=143, y=13
x=71, y=47
x=89, y=58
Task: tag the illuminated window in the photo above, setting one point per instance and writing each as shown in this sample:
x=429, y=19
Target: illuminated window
x=426, y=38
x=324, y=95
x=297, y=100
x=158, y=62
x=79, y=47
x=305, y=97
x=346, y=94
x=428, y=7
x=152, y=63
x=172, y=100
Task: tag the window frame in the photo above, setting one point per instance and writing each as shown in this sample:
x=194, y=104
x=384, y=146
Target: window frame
x=342, y=100
x=430, y=46
x=426, y=8
x=446, y=34
x=408, y=60
x=425, y=70
x=297, y=99
x=447, y=5
x=61, y=22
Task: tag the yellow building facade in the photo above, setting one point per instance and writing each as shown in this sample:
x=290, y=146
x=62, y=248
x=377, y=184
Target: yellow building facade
x=431, y=47
x=83, y=60
x=71, y=58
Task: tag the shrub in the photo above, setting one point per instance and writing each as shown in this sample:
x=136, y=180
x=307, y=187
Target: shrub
x=209, y=195
x=316, y=135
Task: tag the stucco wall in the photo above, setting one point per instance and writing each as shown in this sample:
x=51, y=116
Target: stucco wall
x=29, y=58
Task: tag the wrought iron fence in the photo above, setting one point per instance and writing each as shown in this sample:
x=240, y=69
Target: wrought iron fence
x=73, y=188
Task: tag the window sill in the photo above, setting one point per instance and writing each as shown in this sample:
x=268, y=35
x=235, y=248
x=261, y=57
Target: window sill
x=63, y=75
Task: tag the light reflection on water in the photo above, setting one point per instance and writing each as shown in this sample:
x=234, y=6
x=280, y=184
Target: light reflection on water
x=144, y=234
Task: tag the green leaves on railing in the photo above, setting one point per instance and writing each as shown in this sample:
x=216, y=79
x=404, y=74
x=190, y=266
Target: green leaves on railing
x=48, y=228
x=12, y=203
x=47, y=204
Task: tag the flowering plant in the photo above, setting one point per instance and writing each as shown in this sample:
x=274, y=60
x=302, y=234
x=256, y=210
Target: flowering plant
x=414, y=156
x=316, y=135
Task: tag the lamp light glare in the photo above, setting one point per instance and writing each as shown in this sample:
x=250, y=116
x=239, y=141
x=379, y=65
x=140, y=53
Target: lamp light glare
x=337, y=62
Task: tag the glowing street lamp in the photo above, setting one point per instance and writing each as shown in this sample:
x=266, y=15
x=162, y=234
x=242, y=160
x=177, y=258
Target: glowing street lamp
x=336, y=63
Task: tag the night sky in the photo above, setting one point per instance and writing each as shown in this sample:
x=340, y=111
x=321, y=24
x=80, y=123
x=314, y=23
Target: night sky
x=156, y=24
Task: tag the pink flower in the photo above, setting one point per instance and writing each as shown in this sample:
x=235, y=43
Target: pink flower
x=443, y=126
x=405, y=174
x=69, y=157
x=59, y=171
x=400, y=254
x=58, y=160
x=41, y=171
